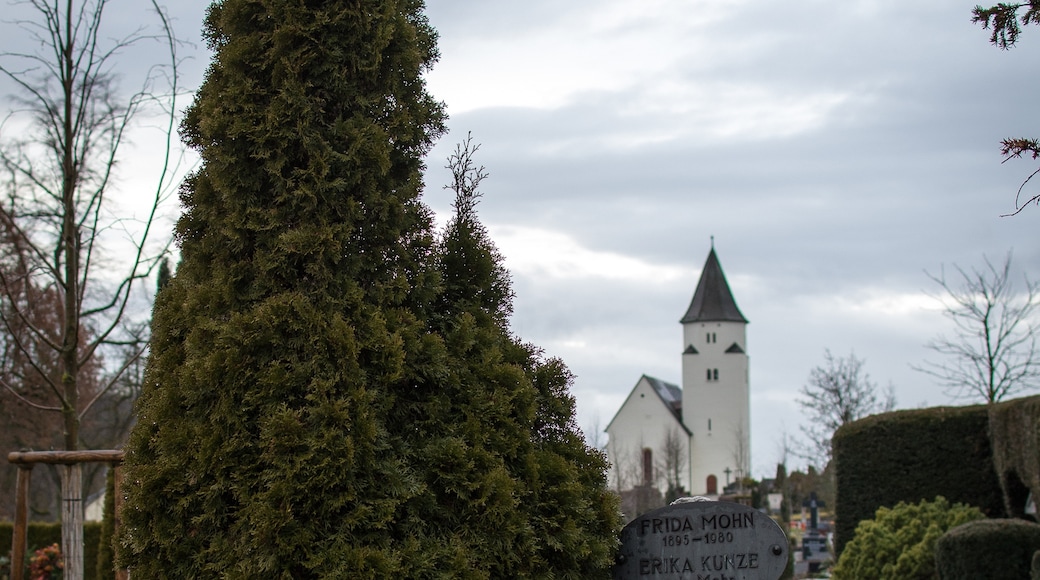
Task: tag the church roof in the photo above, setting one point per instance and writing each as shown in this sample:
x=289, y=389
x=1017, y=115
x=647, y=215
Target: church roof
x=670, y=395
x=713, y=301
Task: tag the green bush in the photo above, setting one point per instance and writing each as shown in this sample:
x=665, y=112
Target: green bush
x=913, y=455
x=991, y=549
x=899, y=542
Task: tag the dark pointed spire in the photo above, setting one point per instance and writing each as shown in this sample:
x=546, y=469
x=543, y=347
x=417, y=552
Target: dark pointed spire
x=713, y=301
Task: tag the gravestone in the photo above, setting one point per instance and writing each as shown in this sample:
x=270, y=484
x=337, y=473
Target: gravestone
x=702, y=539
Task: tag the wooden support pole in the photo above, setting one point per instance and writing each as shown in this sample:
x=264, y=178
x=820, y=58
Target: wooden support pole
x=71, y=509
x=20, y=541
x=72, y=521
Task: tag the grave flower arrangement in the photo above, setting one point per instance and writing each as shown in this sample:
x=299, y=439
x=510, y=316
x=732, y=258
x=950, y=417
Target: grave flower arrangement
x=46, y=564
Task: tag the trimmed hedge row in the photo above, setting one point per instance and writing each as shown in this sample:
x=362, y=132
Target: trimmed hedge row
x=45, y=534
x=910, y=456
x=1015, y=438
x=991, y=549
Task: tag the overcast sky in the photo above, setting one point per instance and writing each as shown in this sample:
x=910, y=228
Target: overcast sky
x=836, y=151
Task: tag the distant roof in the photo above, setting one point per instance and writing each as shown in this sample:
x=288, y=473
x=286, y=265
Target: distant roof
x=670, y=395
x=713, y=301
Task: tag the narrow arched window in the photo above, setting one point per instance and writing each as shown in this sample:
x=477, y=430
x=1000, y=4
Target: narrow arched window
x=648, y=466
x=715, y=374
x=713, y=485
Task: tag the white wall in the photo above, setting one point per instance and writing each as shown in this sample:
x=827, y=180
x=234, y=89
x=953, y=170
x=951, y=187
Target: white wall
x=643, y=421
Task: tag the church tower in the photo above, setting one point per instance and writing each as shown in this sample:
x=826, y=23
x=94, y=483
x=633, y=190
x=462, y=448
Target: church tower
x=715, y=391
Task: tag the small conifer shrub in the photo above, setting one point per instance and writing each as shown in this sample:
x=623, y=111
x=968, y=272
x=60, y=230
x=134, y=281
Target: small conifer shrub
x=900, y=541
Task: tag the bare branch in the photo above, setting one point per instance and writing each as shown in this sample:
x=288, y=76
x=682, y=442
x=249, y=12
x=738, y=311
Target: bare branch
x=114, y=380
x=18, y=396
x=991, y=352
x=838, y=392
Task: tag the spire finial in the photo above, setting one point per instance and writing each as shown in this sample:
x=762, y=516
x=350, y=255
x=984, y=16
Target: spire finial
x=713, y=242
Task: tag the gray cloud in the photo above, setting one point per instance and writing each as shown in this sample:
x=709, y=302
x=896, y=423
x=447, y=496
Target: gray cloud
x=836, y=151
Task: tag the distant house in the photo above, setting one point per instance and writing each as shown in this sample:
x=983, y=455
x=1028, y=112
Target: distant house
x=694, y=439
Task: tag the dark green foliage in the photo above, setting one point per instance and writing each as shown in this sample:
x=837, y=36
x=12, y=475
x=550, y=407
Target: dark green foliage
x=46, y=534
x=1015, y=436
x=789, y=570
x=900, y=542
x=1034, y=570
x=106, y=548
x=909, y=456
x=472, y=274
x=331, y=392
x=993, y=549
x=164, y=275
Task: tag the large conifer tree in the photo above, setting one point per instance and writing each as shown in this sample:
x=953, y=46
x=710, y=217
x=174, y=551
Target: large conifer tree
x=332, y=394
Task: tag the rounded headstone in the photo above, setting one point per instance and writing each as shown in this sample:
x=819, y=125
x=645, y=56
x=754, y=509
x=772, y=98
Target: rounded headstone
x=702, y=540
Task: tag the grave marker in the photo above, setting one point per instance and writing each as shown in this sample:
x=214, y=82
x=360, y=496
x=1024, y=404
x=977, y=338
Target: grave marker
x=700, y=539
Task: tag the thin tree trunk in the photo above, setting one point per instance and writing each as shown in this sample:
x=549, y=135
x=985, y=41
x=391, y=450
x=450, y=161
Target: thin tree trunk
x=70, y=239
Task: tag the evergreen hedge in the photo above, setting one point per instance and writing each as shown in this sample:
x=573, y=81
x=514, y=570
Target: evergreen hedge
x=41, y=535
x=105, y=567
x=333, y=390
x=1000, y=549
x=1015, y=439
x=910, y=456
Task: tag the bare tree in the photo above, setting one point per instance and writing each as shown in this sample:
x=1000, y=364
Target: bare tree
x=838, y=392
x=673, y=449
x=741, y=454
x=594, y=434
x=991, y=352
x=60, y=231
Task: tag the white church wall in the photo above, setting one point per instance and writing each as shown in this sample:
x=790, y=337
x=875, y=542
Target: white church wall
x=643, y=422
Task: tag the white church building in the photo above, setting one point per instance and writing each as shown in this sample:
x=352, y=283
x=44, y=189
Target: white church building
x=696, y=436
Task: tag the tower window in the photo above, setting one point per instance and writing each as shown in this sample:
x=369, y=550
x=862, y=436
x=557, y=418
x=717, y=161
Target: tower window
x=715, y=374
x=709, y=373
x=709, y=424
x=648, y=466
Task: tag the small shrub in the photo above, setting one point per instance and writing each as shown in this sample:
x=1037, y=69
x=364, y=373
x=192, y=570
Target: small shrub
x=900, y=541
x=991, y=549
